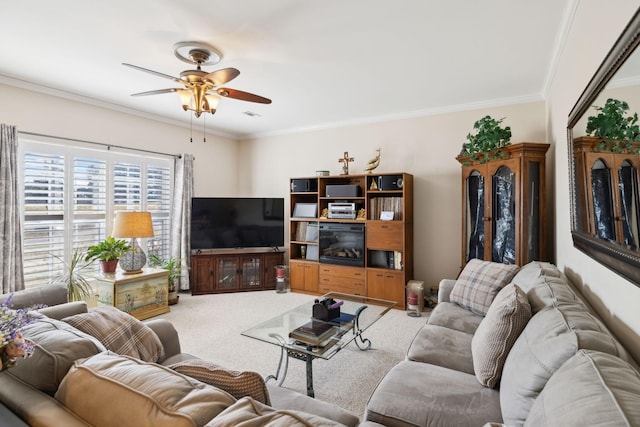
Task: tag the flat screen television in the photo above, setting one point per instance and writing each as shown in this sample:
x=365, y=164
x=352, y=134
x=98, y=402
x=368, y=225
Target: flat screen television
x=236, y=222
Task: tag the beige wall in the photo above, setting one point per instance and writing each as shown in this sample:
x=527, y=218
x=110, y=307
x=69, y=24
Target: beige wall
x=613, y=297
x=425, y=147
x=215, y=171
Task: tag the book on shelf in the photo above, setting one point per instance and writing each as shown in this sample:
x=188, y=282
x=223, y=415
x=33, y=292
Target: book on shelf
x=377, y=205
x=311, y=234
x=313, y=332
x=306, y=232
x=395, y=260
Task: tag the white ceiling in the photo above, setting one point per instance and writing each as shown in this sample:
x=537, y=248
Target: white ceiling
x=323, y=63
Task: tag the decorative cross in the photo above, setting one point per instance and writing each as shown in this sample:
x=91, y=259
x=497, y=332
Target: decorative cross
x=346, y=159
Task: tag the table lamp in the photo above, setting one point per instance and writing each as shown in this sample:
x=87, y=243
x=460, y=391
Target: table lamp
x=133, y=225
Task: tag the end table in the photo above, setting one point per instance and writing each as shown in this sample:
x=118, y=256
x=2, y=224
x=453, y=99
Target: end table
x=142, y=295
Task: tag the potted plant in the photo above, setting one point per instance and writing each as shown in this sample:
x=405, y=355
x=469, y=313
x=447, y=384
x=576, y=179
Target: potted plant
x=487, y=141
x=78, y=287
x=175, y=267
x=108, y=252
x=614, y=127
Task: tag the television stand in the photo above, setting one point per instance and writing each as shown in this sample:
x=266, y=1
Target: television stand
x=234, y=270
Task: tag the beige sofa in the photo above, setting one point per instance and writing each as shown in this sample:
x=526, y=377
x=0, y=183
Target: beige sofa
x=73, y=380
x=560, y=365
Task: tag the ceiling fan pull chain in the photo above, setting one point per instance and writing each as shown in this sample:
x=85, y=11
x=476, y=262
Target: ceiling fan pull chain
x=191, y=128
x=204, y=123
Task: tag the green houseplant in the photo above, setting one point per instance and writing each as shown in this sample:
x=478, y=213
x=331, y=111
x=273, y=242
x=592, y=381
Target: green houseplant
x=108, y=252
x=489, y=137
x=614, y=126
x=78, y=287
x=175, y=267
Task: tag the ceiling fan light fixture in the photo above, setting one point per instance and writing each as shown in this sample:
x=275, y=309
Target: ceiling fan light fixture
x=200, y=92
x=211, y=103
x=185, y=98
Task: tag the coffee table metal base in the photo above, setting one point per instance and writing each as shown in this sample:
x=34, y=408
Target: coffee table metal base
x=363, y=344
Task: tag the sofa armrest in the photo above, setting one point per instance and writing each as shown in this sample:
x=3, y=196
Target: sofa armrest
x=446, y=286
x=34, y=407
x=61, y=311
x=46, y=294
x=168, y=336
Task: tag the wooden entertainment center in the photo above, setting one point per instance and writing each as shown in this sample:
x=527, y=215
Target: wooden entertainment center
x=383, y=204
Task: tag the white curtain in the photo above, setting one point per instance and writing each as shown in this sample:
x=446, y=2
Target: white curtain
x=181, y=214
x=11, y=271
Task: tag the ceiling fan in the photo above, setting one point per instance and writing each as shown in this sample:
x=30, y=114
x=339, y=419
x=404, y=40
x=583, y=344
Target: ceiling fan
x=201, y=90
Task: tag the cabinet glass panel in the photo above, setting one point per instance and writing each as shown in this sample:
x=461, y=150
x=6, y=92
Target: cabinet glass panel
x=503, y=246
x=227, y=273
x=628, y=185
x=475, y=214
x=602, y=201
x=250, y=272
x=533, y=213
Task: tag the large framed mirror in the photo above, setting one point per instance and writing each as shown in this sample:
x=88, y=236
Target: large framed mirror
x=605, y=195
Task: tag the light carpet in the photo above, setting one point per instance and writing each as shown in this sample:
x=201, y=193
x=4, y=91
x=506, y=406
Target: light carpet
x=210, y=327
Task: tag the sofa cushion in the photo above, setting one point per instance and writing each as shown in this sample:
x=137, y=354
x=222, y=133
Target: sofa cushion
x=452, y=316
x=551, y=337
x=119, y=332
x=544, y=285
x=58, y=345
x=236, y=383
x=249, y=412
x=506, y=318
x=443, y=347
x=137, y=393
x=284, y=398
x=479, y=283
x=421, y=394
x=591, y=388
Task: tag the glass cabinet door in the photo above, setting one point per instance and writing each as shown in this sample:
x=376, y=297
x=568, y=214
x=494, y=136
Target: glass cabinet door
x=531, y=214
x=250, y=272
x=603, y=217
x=628, y=205
x=503, y=245
x=475, y=215
x=227, y=277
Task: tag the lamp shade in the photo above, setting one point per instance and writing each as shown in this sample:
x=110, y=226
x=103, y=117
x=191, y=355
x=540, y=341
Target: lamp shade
x=133, y=224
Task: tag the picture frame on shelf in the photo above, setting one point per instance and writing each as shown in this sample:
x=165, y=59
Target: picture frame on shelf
x=386, y=215
x=305, y=210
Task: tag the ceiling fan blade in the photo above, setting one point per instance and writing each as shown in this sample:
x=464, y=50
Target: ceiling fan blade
x=222, y=76
x=166, y=76
x=155, y=92
x=243, y=96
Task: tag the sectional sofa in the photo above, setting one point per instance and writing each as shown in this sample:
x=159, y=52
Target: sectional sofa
x=510, y=345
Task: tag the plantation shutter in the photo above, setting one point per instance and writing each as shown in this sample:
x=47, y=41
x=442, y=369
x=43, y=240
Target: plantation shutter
x=71, y=195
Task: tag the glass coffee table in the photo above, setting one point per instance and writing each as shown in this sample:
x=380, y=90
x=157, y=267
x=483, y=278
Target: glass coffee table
x=294, y=331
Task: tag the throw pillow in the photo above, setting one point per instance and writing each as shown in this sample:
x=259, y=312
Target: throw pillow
x=58, y=345
x=479, y=283
x=236, y=383
x=119, y=332
x=498, y=331
x=112, y=390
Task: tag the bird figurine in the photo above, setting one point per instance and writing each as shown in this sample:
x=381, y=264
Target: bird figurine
x=373, y=163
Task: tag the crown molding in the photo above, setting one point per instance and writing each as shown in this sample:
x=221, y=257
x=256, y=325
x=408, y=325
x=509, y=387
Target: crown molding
x=492, y=103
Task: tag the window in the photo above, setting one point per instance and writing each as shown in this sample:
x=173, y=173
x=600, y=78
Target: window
x=71, y=192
